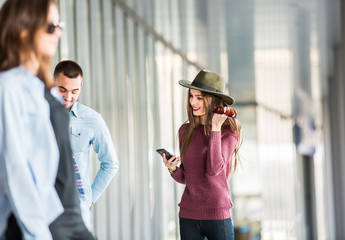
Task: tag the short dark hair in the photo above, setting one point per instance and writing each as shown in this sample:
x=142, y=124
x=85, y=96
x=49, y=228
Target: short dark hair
x=68, y=68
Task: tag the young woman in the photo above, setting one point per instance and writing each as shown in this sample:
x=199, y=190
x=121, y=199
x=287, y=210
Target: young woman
x=209, y=145
x=29, y=35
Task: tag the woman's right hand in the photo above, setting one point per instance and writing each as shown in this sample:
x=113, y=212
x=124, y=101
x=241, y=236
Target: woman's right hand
x=171, y=163
x=218, y=120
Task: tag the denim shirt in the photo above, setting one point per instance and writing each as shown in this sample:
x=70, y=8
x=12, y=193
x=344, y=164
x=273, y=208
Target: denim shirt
x=87, y=128
x=28, y=155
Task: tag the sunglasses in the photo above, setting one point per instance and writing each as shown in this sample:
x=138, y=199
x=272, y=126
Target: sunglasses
x=230, y=112
x=51, y=27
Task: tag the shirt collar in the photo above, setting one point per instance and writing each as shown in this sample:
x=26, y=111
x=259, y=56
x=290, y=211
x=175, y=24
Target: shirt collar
x=74, y=109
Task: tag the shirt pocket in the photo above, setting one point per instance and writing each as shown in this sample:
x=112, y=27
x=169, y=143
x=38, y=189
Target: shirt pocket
x=81, y=139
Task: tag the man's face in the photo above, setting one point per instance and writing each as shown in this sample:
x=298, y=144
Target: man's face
x=69, y=88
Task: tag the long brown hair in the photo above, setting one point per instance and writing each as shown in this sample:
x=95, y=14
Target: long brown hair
x=17, y=17
x=210, y=102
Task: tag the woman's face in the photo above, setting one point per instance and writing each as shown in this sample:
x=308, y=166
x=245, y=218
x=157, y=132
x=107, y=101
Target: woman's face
x=196, y=101
x=47, y=37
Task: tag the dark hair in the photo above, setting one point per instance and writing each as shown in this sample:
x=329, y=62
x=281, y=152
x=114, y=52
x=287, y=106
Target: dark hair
x=17, y=16
x=68, y=68
x=210, y=102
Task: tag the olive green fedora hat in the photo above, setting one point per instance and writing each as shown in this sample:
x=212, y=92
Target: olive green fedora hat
x=209, y=82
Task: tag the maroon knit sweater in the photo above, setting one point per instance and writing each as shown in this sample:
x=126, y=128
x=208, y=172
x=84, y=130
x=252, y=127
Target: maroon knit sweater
x=205, y=170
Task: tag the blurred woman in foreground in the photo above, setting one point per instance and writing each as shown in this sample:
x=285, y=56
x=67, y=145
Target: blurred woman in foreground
x=29, y=35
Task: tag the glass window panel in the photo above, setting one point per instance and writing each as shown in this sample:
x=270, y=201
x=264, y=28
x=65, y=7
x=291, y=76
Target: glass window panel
x=67, y=40
x=83, y=54
x=122, y=125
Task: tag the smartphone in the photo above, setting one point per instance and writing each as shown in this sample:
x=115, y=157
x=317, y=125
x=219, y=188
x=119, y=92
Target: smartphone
x=168, y=155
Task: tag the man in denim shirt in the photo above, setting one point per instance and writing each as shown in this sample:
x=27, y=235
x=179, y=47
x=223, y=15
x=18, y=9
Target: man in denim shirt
x=87, y=128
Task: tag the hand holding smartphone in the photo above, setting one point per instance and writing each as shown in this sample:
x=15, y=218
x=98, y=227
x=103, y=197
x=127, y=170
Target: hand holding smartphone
x=171, y=165
x=168, y=155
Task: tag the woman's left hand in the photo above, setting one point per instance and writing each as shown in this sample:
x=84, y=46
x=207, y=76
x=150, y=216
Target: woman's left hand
x=218, y=120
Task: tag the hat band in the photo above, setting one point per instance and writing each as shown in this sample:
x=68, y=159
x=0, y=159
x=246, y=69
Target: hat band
x=205, y=87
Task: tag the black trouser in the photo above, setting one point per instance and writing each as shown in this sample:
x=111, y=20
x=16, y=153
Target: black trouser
x=70, y=226
x=13, y=231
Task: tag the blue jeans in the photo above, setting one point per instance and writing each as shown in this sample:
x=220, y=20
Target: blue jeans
x=206, y=229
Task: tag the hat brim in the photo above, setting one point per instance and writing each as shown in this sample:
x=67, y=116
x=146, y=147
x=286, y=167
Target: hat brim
x=226, y=98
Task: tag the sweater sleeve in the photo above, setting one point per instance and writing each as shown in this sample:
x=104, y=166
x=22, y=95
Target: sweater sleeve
x=221, y=148
x=178, y=175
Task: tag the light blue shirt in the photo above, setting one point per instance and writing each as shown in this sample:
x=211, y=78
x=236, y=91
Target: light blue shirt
x=87, y=128
x=28, y=155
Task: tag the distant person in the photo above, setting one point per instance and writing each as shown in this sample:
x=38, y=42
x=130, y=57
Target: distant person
x=29, y=35
x=87, y=128
x=69, y=225
x=209, y=144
